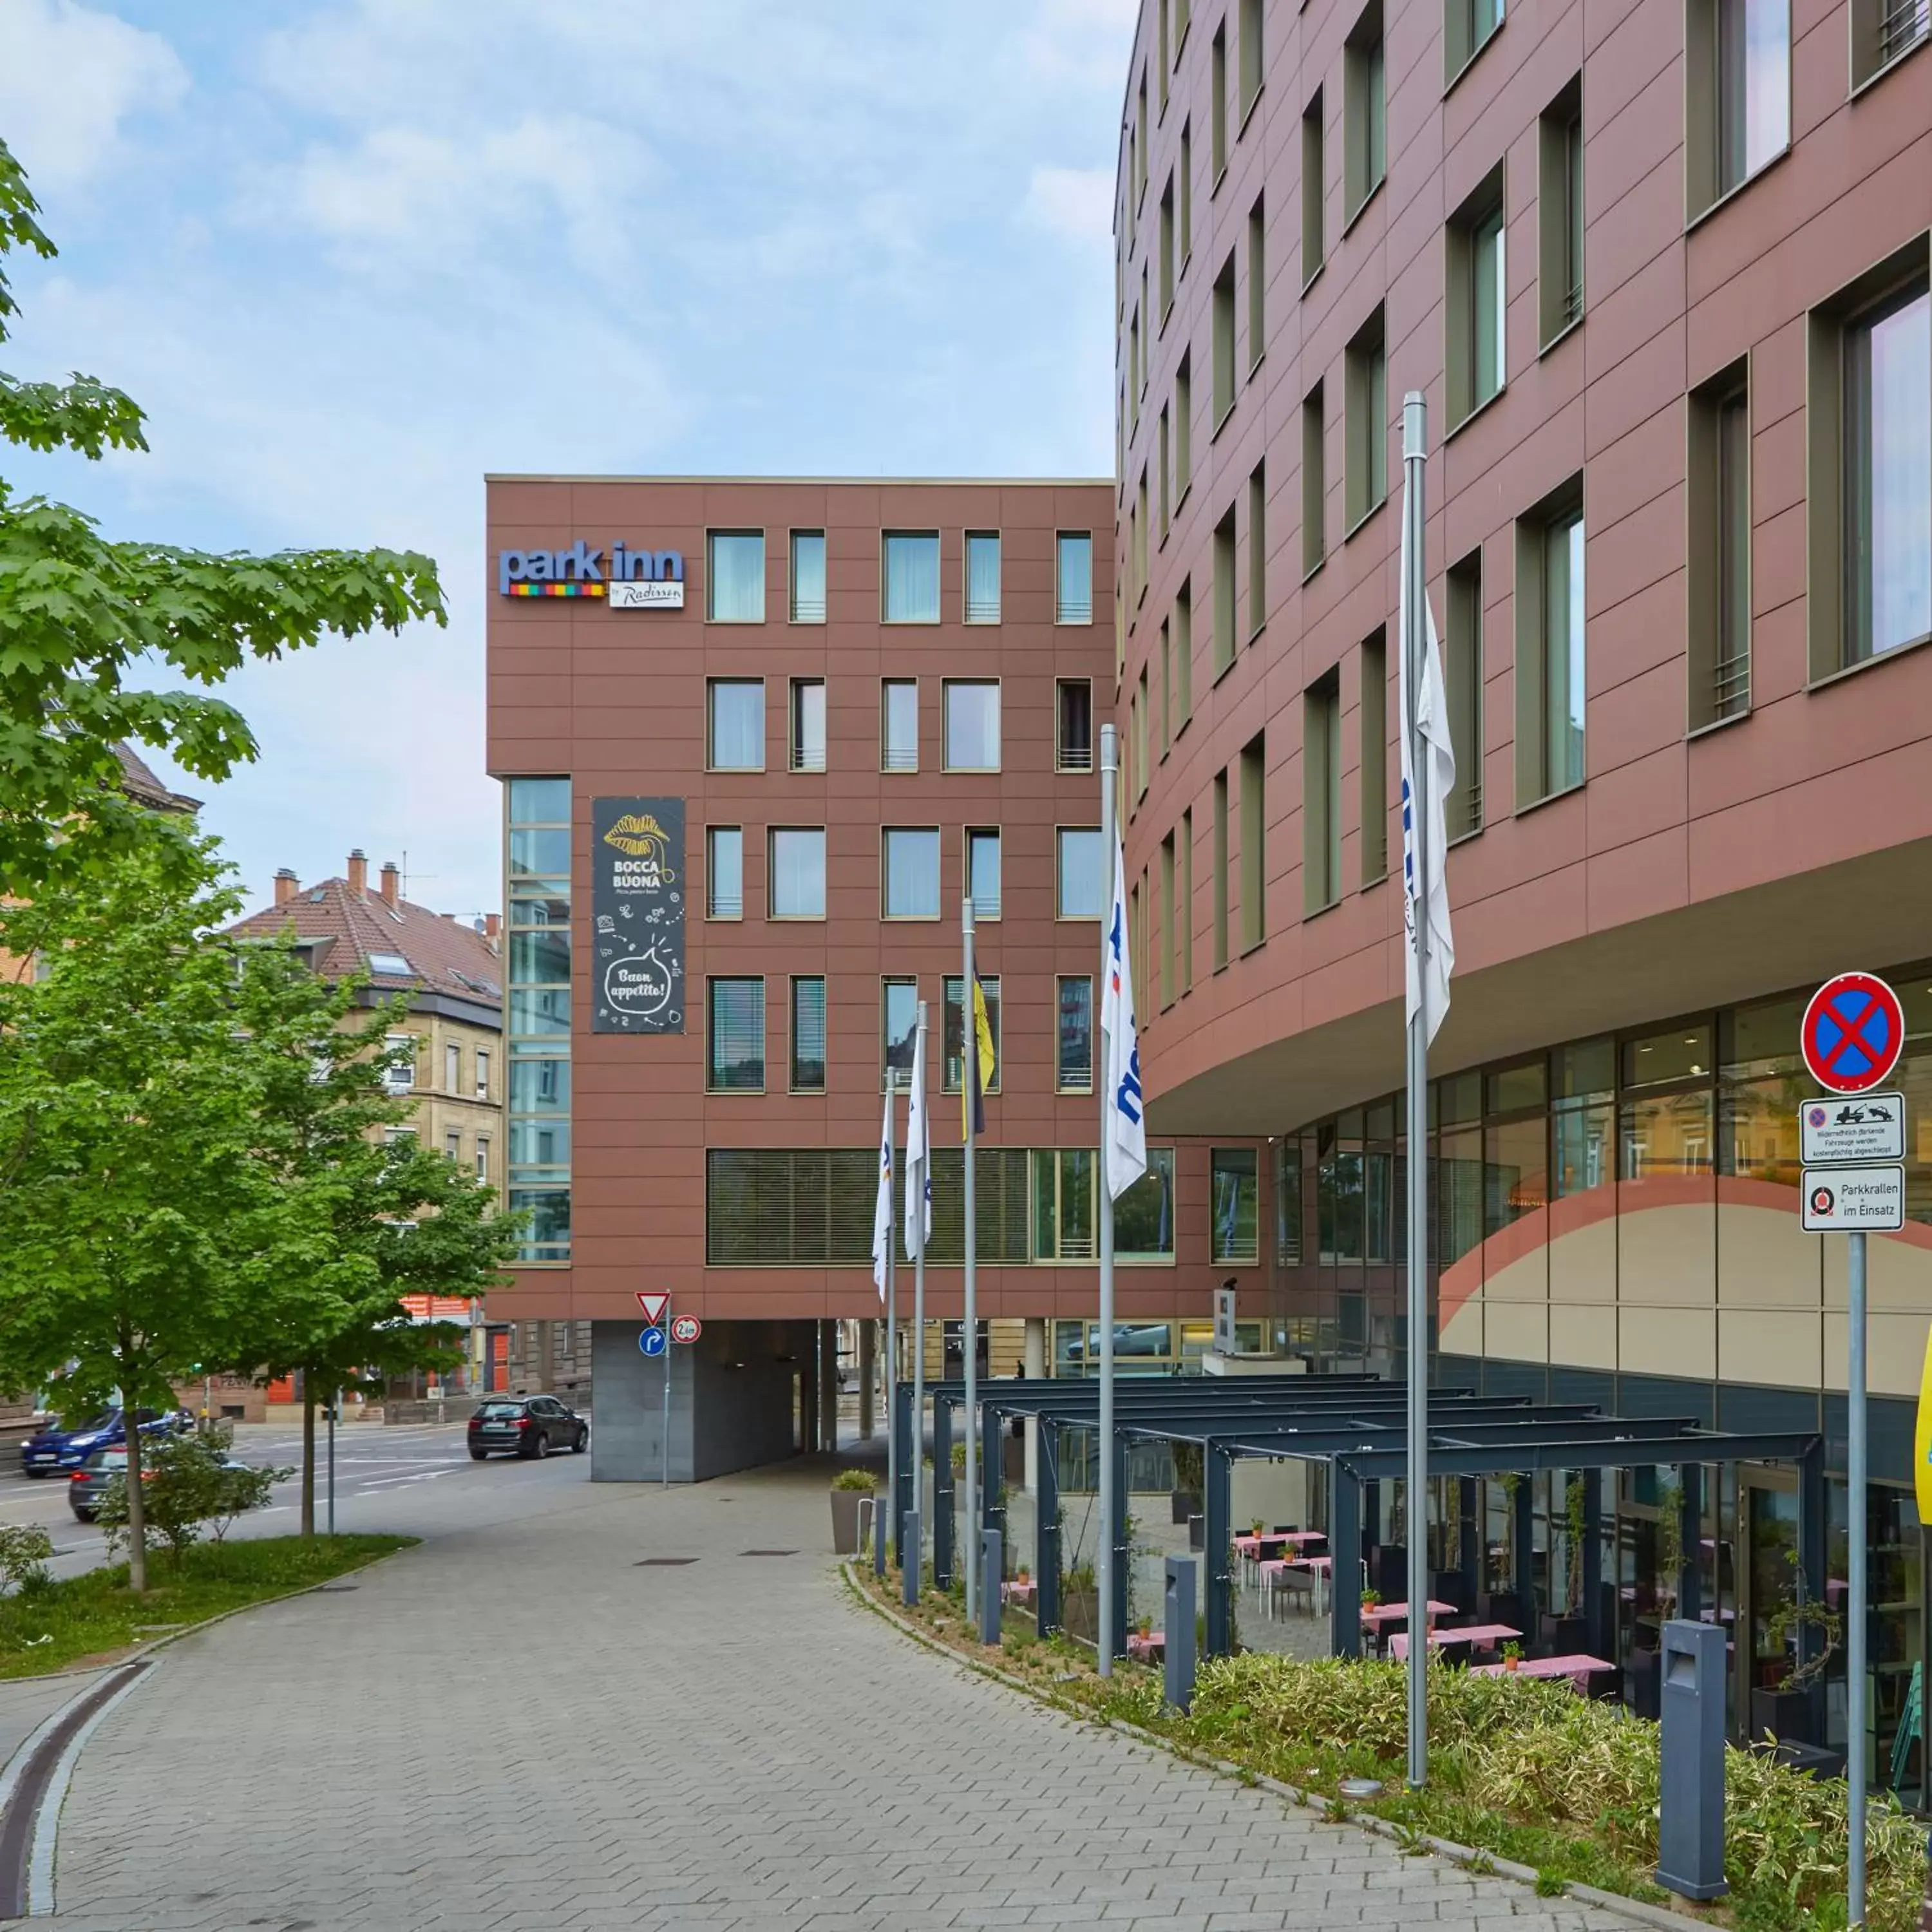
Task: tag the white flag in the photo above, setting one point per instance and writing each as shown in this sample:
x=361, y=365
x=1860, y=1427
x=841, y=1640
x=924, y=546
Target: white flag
x=1125, y=1154
x=918, y=1157
x=882, y=1213
x=1429, y=996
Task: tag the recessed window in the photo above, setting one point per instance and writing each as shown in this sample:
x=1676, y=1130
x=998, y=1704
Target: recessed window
x=808, y=577
x=1881, y=30
x=898, y=1023
x=1080, y=874
x=1217, y=93
x=400, y=1075
x=1322, y=793
x=1220, y=864
x=1718, y=574
x=734, y=577
x=1073, y=1065
x=1550, y=680
x=797, y=871
x=1184, y=653
x=954, y=1033
x=1371, y=721
x=1737, y=93
x=982, y=577
x=1313, y=243
x=1137, y=709
x=1559, y=214
x=1165, y=249
x=1166, y=687
x=1221, y=339
x=808, y=725
x=1364, y=110
x=899, y=725
x=911, y=568
x=1224, y=592
x=982, y=871
x=482, y=1073
x=972, y=725
x=725, y=871
x=482, y=1157
x=911, y=870
x=1467, y=26
x=1368, y=419
x=1161, y=463
x=1252, y=54
x=1257, y=282
x=1463, y=676
x=1073, y=577
x=1314, y=481
x=735, y=1036
x=1235, y=1201
x=1254, y=842
x=1257, y=551
x=1186, y=842
x=1184, y=425
x=1477, y=299
x=808, y=1034
x=736, y=726
x=1185, y=186
x=452, y=1069
x=1073, y=707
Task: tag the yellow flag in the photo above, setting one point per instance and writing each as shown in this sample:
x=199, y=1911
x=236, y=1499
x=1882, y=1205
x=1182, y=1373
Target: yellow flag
x=977, y=1072
x=1921, y=1437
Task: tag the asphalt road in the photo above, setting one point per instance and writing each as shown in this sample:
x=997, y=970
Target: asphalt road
x=411, y=1480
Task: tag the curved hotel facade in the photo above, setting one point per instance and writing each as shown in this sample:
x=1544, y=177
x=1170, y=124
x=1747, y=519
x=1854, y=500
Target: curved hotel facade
x=1661, y=270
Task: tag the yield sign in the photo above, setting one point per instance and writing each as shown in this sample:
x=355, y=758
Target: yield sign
x=653, y=1306
x=1852, y=1032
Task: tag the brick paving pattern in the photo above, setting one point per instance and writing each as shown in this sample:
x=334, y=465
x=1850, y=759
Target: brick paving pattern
x=517, y=1728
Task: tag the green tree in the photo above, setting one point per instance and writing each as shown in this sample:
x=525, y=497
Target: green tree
x=81, y=615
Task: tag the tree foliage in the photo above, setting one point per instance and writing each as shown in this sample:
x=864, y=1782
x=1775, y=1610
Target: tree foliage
x=83, y=615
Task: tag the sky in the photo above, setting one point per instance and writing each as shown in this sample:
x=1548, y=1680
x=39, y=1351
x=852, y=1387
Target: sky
x=351, y=256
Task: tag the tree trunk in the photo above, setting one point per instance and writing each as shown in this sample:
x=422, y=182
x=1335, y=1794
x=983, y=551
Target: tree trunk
x=137, y=1504
x=308, y=1457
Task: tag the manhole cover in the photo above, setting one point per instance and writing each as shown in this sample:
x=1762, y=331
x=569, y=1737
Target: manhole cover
x=768, y=1553
x=662, y=1562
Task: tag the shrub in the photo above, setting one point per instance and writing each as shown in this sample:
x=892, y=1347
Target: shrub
x=861, y=1480
x=24, y=1550
x=188, y=1482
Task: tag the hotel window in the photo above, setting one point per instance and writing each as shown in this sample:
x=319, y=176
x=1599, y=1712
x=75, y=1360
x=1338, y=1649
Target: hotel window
x=1220, y=862
x=1183, y=12
x=1257, y=551
x=452, y=1069
x=482, y=1073
x=795, y=871
x=1217, y=111
x=955, y=1065
x=1142, y=709
x=1371, y=721
x=1184, y=652
x=1187, y=900
x=1737, y=91
x=452, y=1147
x=1869, y=464
x=1162, y=445
x=1141, y=138
x=899, y=725
x=1073, y=739
x=1313, y=243
x=899, y=1026
x=734, y=1031
x=1080, y=874
x=1144, y=1215
x=1161, y=56
x=723, y=871
x=1559, y=214
x=538, y=963
x=1166, y=250
x=982, y=577
x=1224, y=592
x=1167, y=948
x=1718, y=578
x=1364, y=111
x=1550, y=679
x=1073, y=577
x=1367, y=426
x=482, y=1157
x=1252, y=55
x=1062, y=1204
x=1233, y=1193
x=1073, y=1065
x=1467, y=26
x=735, y=724
x=910, y=577
x=1322, y=794
x=1223, y=340
x=1166, y=687
x=1477, y=299
x=1183, y=424
x=910, y=865
x=1140, y=537
x=1257, y=282
x=1134, y=366
x=972, y=720
x=734, y=577
x=1881, y=30
x=808, y=1034
x=808, y=724
x=1254, y=842
x=1314, y=482
x=1186, y=187
x=982, y=871
x=808, y=577
x=1463, y=674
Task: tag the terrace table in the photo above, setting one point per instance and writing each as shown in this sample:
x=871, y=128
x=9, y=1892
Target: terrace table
x=1376, y=1614
x=1485, y=1634
x=1148, y=1648
x=1577, y=1668
x=1020, y=1590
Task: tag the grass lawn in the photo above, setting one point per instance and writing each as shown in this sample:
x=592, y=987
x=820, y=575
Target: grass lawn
x=96, y=1615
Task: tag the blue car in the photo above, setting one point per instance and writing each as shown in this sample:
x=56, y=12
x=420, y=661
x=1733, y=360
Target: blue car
x=57, y=1448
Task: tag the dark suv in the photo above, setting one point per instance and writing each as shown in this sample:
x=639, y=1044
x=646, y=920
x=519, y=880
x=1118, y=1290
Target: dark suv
x=526, y=1425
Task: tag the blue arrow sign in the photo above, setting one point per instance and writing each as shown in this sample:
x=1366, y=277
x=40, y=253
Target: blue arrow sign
x=653, y=1341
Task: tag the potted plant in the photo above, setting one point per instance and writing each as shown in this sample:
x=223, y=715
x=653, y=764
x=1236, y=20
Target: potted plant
x=1185, y=1500
x=1783, y=1710
x=1512, y=1657
x=1255, y=1528
x=1370, y=1598
x=847, y=1486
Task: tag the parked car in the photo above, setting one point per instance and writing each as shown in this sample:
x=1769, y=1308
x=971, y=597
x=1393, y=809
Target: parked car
x=526, y=1425
x=57, y=1447
x=89, y=1484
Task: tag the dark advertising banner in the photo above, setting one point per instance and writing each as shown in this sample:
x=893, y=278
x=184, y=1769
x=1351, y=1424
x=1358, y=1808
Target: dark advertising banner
x=636, y=906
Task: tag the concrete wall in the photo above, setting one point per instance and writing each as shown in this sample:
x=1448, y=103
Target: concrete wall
x=731, y=1400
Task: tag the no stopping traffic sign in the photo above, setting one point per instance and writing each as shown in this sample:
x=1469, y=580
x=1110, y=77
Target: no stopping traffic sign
x=1852, y=1032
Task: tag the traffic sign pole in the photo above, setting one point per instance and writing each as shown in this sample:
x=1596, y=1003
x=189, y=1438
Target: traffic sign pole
x=663, y=1449
x=1857, y=1522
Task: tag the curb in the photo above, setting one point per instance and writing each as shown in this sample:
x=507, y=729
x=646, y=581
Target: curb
x=1471, y=1859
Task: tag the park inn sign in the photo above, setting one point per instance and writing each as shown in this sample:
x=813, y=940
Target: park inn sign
x=634, y=580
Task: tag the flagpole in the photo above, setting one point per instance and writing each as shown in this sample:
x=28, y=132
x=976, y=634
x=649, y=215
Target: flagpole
x=1414, y=433
x=893, y=1527
x=916, y=1447
x=969, y=1074
x=1107, y=1581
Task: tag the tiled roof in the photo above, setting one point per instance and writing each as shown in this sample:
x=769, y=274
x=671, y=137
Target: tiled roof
x=443, y=956
x=142, y=785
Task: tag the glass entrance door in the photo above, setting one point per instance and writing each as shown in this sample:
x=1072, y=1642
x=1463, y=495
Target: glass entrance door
x=1764, y=1646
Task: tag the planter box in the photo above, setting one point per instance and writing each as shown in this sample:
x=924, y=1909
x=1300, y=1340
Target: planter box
x=845, y=1521
x=1185, y=1504
x=1785, y=1715
x=1080, y=1614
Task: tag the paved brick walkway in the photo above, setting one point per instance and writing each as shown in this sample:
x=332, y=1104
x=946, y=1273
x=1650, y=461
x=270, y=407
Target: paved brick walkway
x=516, y=1727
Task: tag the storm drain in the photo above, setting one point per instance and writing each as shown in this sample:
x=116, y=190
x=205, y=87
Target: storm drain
x=333, y=1589
x=768, y=1553
x=663, y=1562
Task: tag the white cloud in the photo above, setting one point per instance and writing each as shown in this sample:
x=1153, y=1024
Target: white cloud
x=1076, y=204
x=69, y=77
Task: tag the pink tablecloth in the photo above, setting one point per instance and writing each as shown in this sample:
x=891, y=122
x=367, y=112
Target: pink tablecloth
x=1577, y=1668
x=1485, y=1634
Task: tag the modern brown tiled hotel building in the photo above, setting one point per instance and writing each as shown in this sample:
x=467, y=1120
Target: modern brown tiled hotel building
x=1661, y=270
